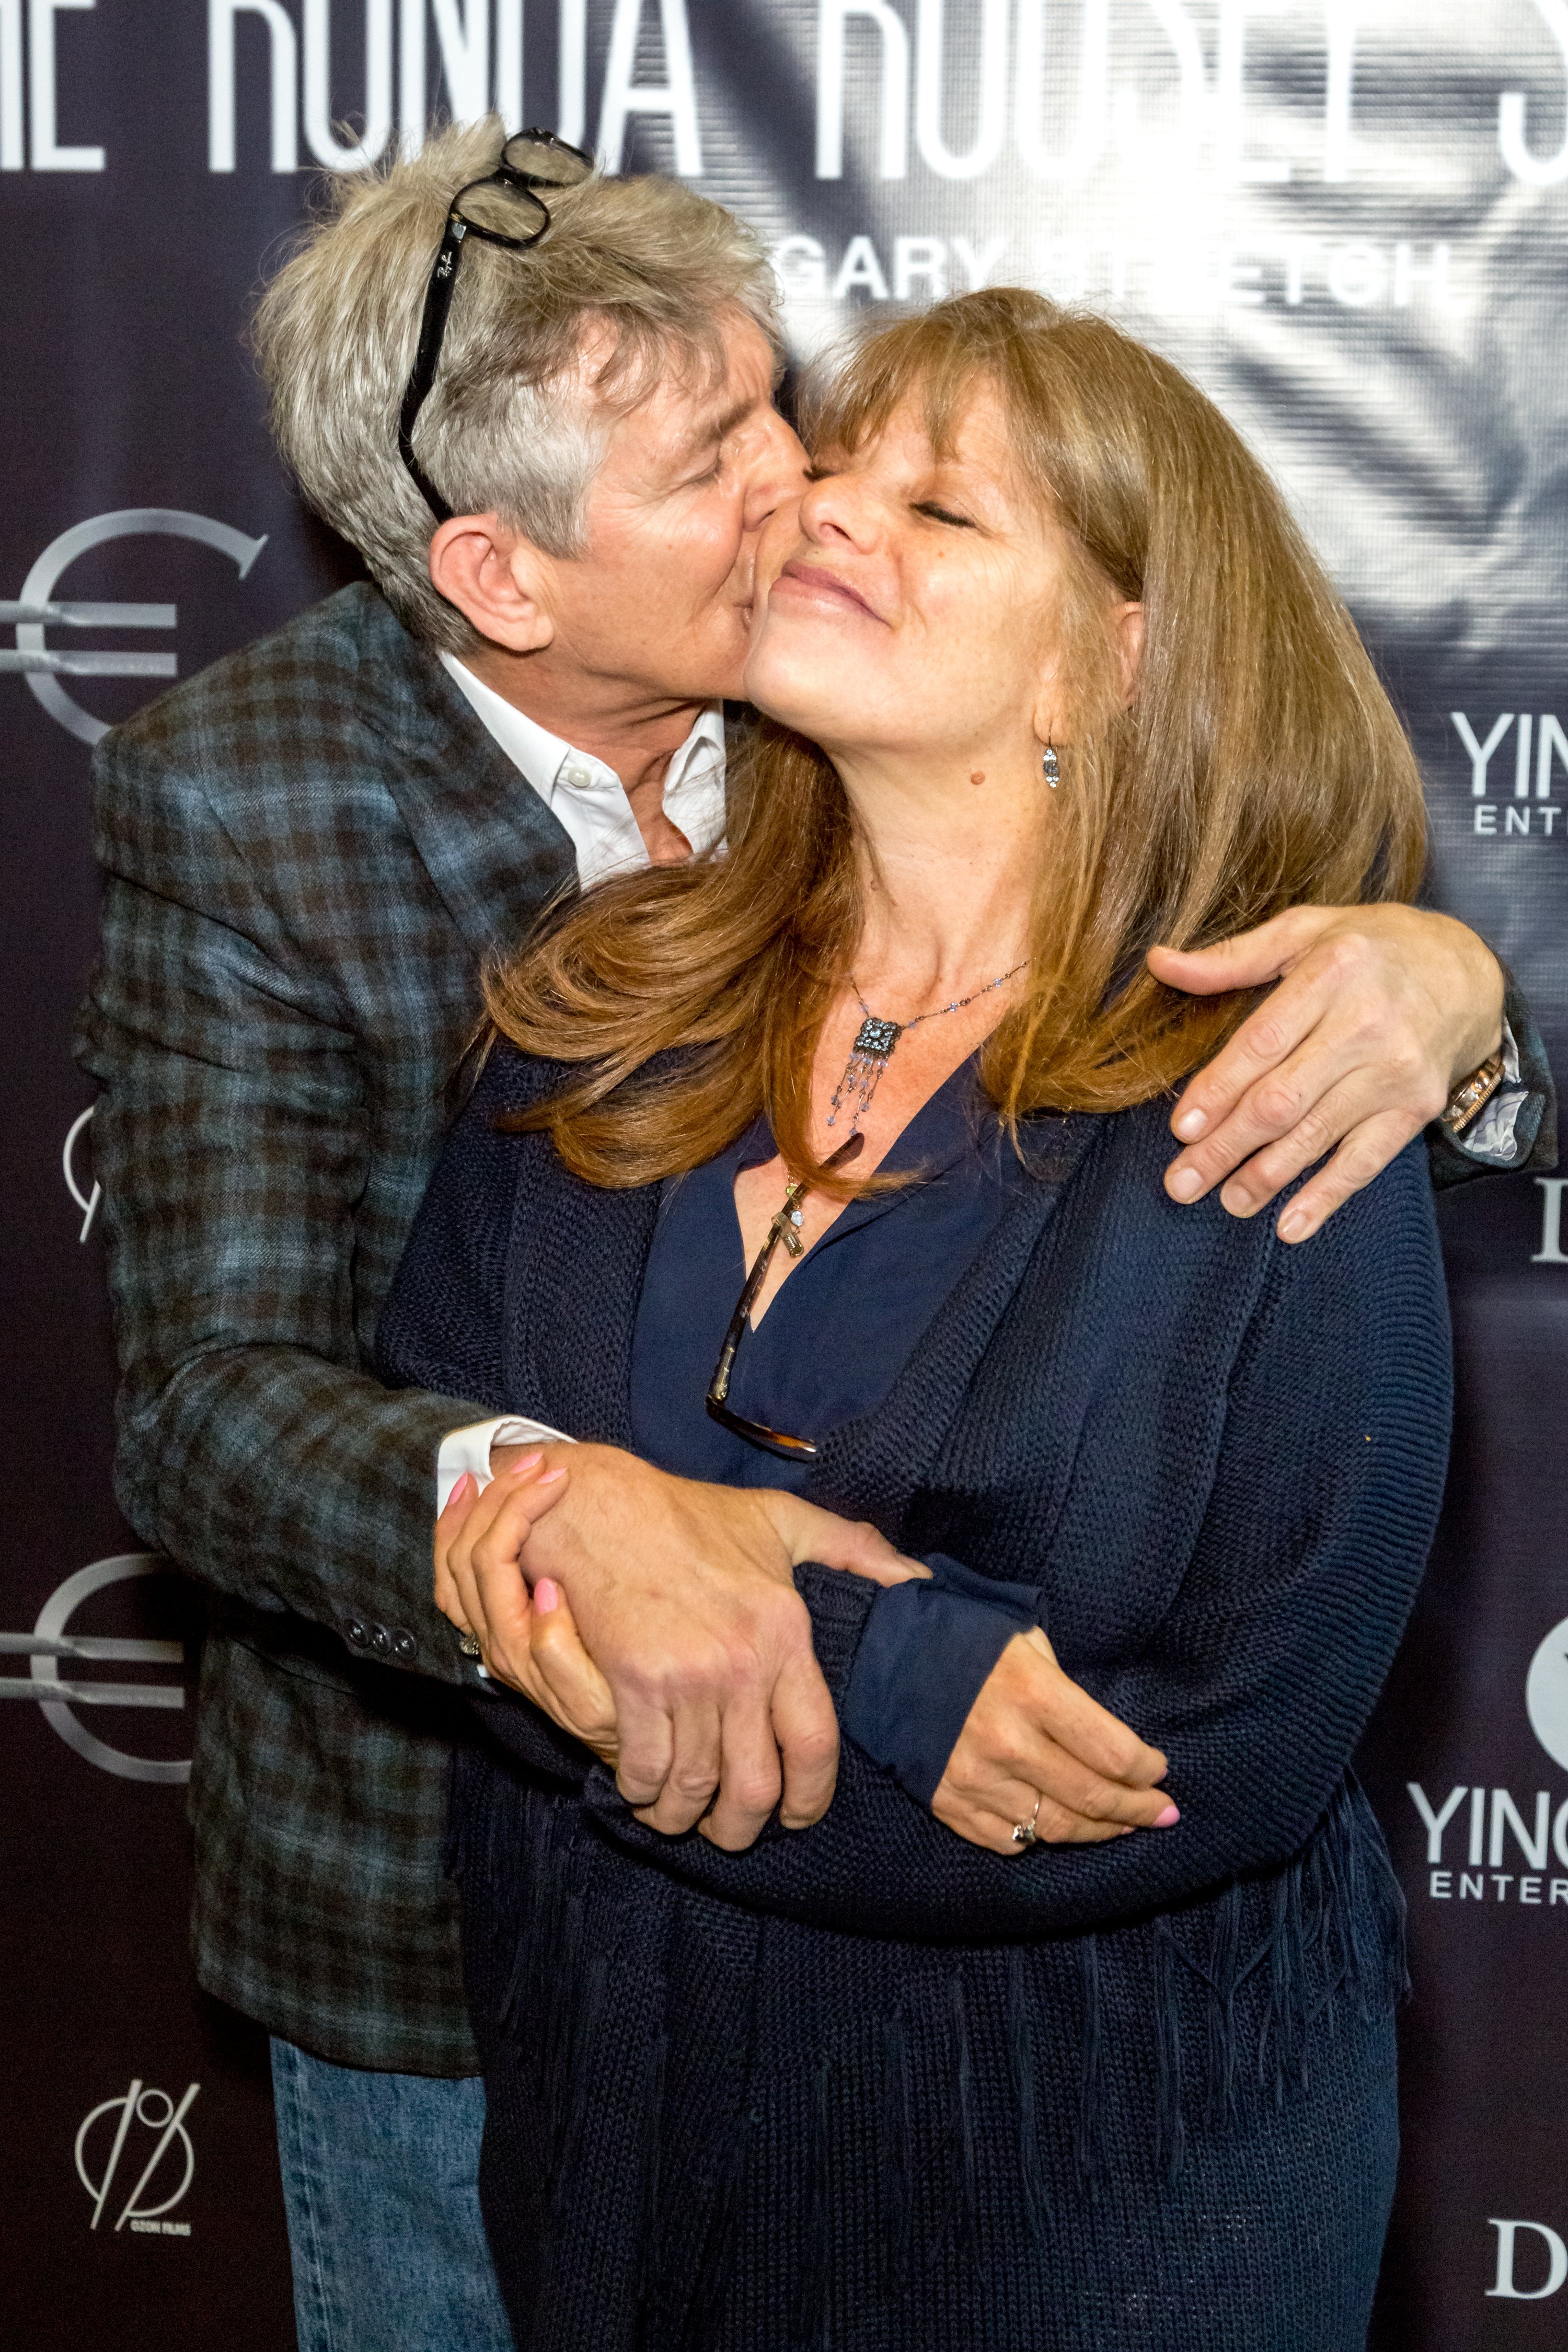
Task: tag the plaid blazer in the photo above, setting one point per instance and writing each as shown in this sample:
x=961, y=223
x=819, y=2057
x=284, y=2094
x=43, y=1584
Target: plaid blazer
x=308, y=850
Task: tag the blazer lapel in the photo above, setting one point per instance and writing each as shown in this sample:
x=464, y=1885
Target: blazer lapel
x=871, y=1467
x=493, y=850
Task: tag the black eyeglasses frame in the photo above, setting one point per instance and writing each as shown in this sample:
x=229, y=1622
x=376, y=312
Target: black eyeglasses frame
x=786, y=1228
x=444, y=279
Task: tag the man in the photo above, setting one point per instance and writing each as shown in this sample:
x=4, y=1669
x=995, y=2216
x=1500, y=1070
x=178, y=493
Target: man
x=309, y=852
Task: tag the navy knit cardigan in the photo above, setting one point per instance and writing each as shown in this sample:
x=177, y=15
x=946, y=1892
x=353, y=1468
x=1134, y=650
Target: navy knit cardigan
x=867, y=2084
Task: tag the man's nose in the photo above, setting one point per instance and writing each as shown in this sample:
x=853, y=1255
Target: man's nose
x=777, y=475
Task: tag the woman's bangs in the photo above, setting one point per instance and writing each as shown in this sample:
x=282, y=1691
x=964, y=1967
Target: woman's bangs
x=856, y=395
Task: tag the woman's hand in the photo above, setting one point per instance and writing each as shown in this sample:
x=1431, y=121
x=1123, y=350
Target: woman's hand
x=527, y=1640
x=1033, y=1733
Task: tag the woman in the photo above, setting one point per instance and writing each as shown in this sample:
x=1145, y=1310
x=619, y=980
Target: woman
x=964, y=2066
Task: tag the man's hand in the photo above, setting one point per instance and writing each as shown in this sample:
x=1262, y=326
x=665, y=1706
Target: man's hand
x=1380, y=1012
x=1033, y=1734
x=685, y=1597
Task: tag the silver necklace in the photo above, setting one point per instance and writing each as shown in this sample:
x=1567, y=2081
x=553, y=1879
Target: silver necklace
x=874, y=1043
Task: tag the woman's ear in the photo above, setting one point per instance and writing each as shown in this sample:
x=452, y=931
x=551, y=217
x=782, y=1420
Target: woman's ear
x=1127, y=627
x=1051, y=725
x=498, y=581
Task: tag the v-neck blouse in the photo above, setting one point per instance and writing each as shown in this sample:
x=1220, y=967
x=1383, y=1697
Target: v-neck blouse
x=832, y=1343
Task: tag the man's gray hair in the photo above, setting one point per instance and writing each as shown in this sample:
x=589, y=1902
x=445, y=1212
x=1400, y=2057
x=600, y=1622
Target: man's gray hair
x=635, y=274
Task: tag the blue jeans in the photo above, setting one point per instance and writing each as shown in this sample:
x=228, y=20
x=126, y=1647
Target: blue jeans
x=381, y=2188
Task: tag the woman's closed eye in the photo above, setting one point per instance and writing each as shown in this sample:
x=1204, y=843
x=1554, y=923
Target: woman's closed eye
x=943, y=514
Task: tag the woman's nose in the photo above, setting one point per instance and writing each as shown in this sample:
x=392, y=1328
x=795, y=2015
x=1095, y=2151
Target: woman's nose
x=837, y=506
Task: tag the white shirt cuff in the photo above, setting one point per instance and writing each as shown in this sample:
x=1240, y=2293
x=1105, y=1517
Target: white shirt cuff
x=469, y=1449
x=1491, y=1134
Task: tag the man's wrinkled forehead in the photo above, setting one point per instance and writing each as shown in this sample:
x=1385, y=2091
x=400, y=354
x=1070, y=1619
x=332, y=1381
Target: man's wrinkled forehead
x=710, y=422
x=683, y=402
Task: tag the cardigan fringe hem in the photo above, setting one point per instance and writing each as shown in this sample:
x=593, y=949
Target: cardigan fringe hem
x=1333, y=1940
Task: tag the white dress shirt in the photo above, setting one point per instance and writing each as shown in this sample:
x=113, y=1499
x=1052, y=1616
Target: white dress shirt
x=590, y=801
x=1493, y=1133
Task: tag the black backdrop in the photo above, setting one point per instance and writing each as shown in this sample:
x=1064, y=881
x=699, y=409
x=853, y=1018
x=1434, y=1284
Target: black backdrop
x=1347, y=219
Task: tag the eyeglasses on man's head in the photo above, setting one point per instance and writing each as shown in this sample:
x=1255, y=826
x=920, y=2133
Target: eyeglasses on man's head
x=505, y=208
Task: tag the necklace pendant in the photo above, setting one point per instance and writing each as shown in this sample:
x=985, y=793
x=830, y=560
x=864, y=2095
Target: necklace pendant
x=861, y=1072
x=873, y=1048
x=787, y=1223
x=877, y=1038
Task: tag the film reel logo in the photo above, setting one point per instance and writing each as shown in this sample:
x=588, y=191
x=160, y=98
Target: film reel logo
x=155, y=2111
x=50, y=1646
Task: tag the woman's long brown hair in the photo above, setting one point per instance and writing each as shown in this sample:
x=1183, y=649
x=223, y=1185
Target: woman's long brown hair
x=1260, y=767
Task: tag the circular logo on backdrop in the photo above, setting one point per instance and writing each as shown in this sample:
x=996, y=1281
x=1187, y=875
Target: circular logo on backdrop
x=161, y=2175
x=1546, y=1694
x=52, y=1644
x=43, y=665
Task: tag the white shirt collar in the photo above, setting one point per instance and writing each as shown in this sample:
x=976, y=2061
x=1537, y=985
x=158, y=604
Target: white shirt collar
x=587, y=798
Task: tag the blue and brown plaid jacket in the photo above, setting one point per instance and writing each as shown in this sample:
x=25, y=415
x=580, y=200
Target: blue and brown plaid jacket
x=309, y=851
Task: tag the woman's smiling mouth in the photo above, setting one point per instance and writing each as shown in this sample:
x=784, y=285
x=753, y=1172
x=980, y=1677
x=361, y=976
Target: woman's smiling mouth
x=822, y=586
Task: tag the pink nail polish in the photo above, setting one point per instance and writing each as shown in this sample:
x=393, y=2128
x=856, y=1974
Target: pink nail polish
x=548, y=1477
x=1168, y=1819
x=460, y=1489
x=527, y=1462
x=546, y=1596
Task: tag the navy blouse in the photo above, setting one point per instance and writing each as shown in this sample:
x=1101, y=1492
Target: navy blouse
x=827, y=1351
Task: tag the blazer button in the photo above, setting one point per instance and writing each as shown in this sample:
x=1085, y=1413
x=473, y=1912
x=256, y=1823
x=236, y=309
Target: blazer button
x=380, y=1639
x=404, y=1644
x=355, y=1631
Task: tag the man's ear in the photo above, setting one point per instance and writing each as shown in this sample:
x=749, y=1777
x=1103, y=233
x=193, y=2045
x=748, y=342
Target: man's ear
x=498, y=581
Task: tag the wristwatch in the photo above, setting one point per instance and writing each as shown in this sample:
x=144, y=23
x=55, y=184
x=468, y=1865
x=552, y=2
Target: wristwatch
x=1472, y=1095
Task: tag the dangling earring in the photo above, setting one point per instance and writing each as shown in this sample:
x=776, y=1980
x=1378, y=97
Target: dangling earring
x=1051, y=767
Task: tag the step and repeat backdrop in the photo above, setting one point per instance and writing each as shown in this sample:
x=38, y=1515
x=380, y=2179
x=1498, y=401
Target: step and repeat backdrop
x=1348, y=220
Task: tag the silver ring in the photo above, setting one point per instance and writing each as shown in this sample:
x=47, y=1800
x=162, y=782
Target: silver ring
x=1025, y=1832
